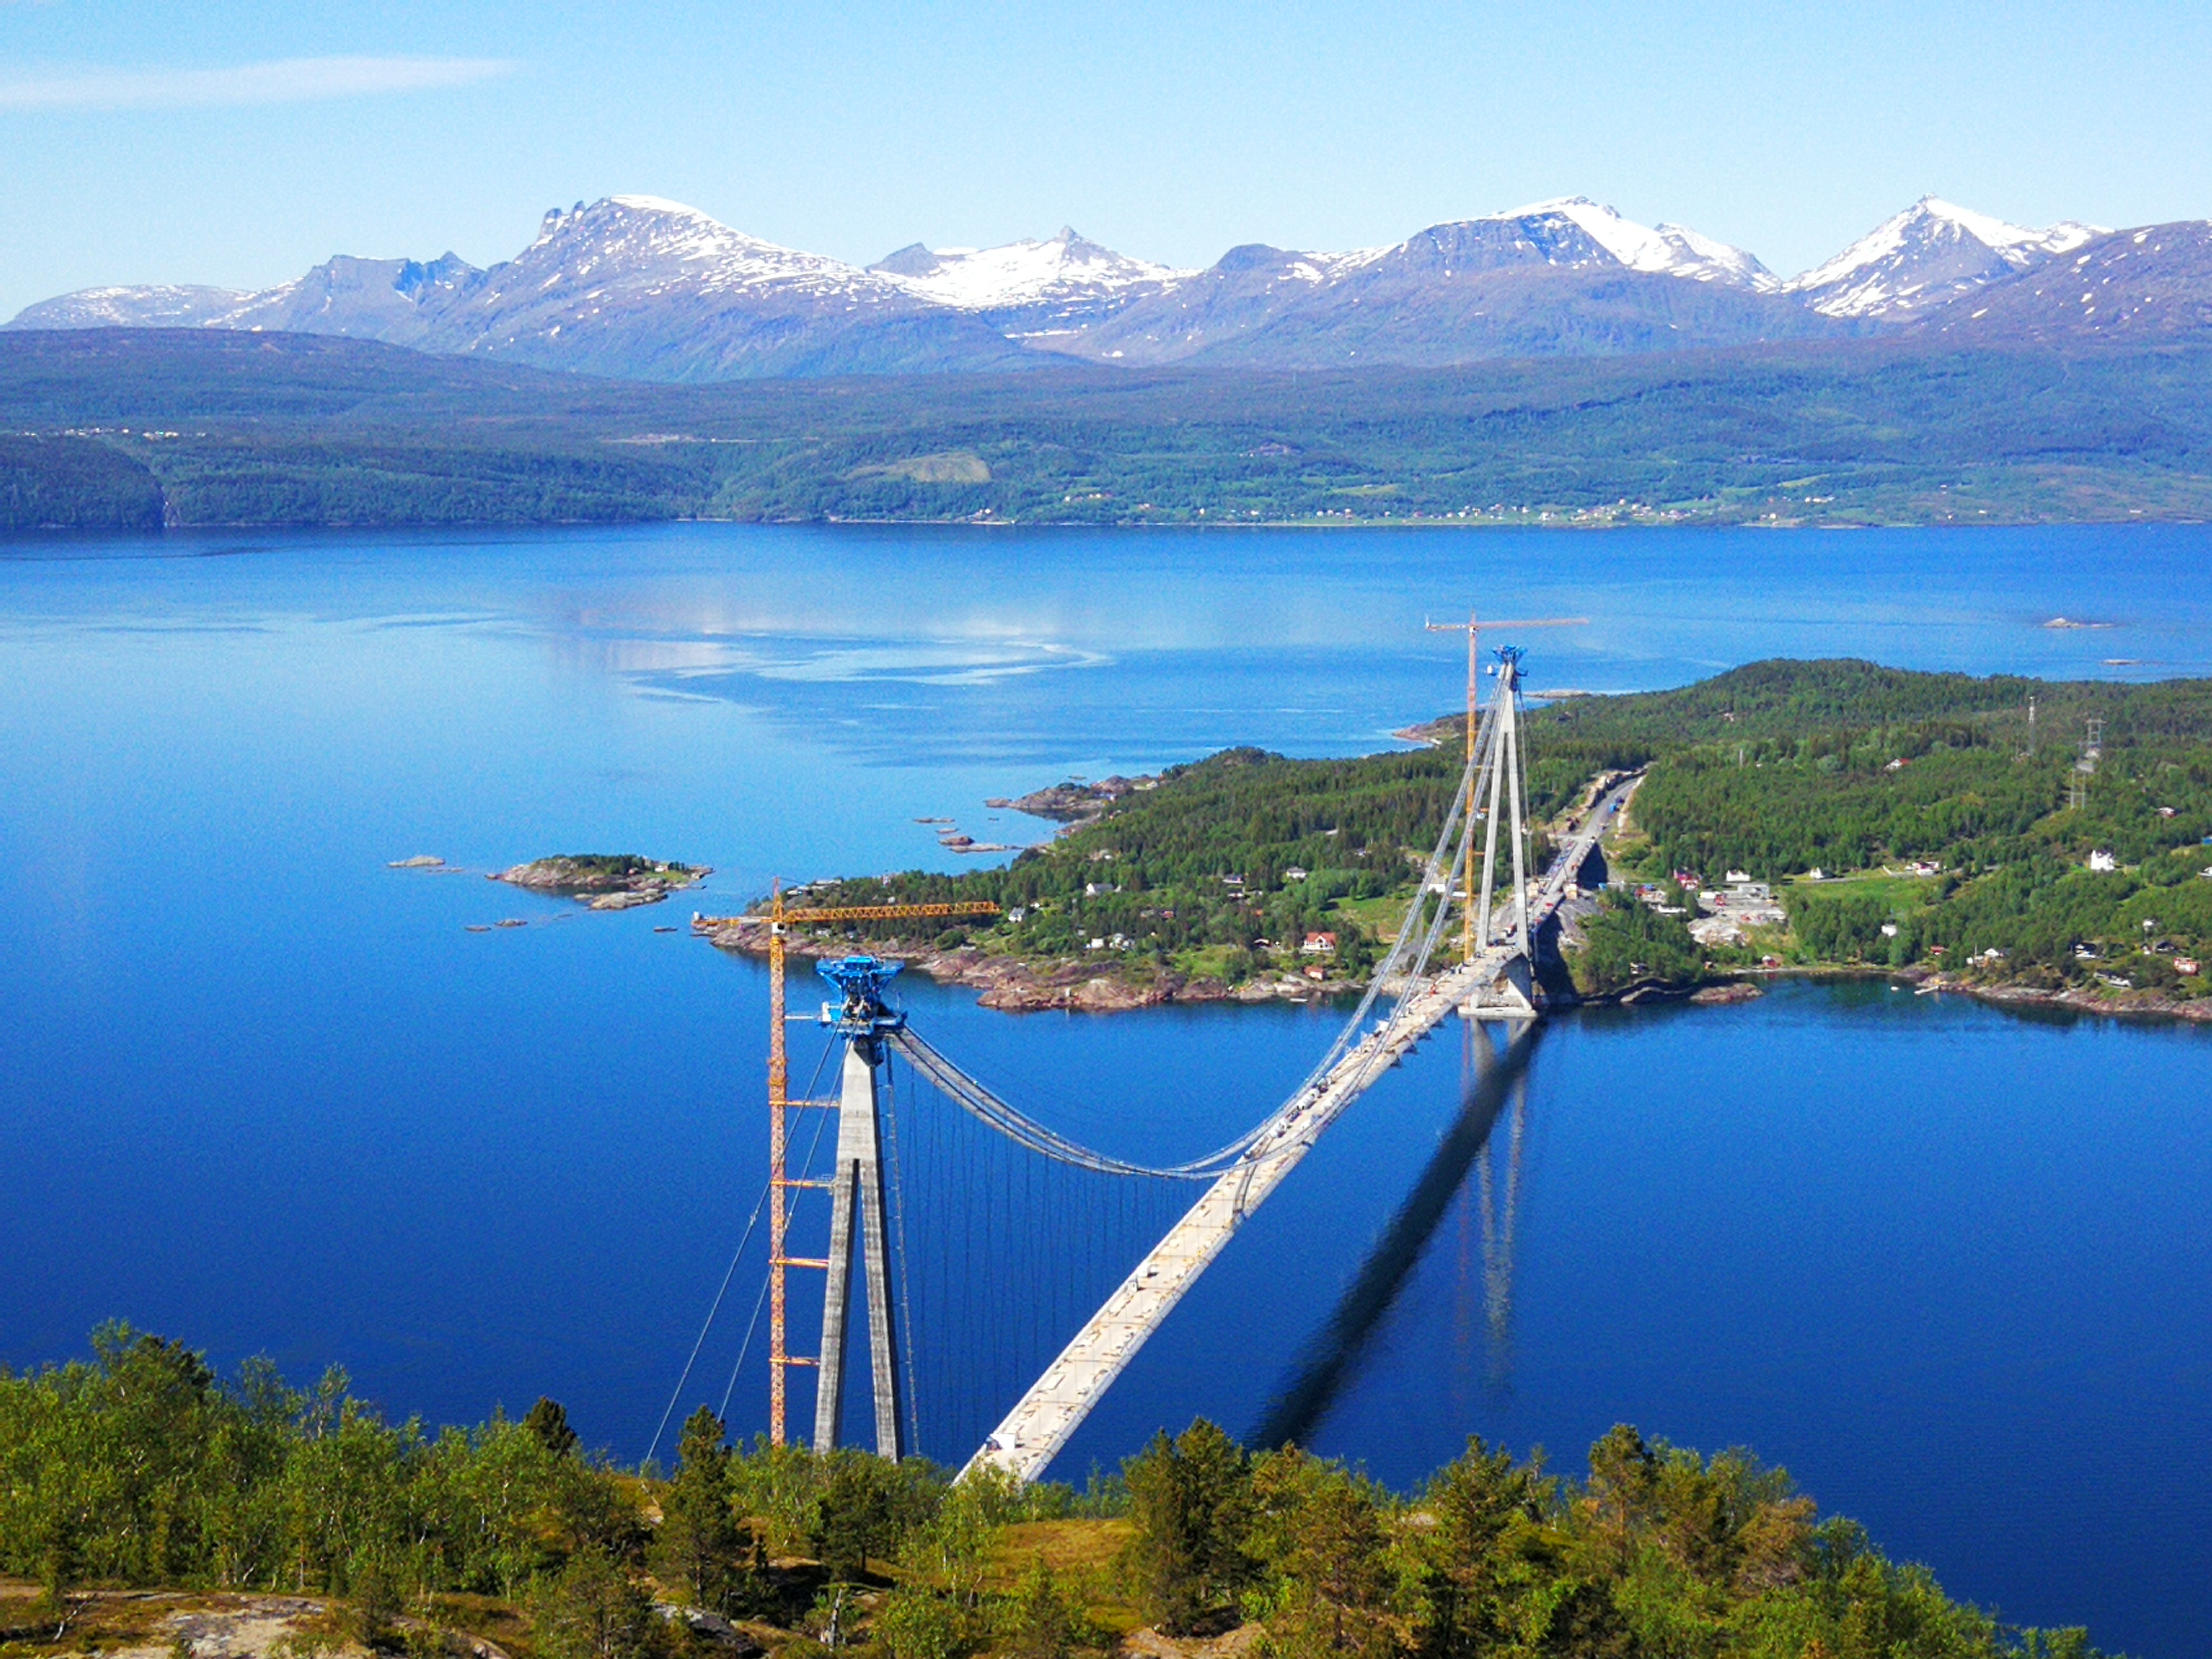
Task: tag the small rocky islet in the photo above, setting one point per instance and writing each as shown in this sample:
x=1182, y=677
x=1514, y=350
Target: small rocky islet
x=599, y=881
x=604, y=881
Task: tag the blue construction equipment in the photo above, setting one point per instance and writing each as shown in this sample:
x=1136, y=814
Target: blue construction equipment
x=864, y=1014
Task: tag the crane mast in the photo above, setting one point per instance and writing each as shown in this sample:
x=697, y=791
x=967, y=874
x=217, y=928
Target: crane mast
x=859, y=1183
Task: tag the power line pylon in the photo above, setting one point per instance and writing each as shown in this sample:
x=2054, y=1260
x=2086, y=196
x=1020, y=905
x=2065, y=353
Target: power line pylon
x=2092, y=750
x=781, y=919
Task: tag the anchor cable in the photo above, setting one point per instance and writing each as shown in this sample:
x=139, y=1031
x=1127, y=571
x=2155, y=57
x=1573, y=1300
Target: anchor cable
x=715, y=1307
x=759, y=1204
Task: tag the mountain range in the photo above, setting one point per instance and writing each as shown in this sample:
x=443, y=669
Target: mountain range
x=639, y=288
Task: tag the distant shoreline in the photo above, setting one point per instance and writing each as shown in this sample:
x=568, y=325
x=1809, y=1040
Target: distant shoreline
x=1014, y=985
x=156, y=429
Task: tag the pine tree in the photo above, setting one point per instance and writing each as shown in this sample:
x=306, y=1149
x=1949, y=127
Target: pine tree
x=701, y=1542
x=593, y=1611
x=549, y=1420
x=1042, y=1621
x=1191, y=1501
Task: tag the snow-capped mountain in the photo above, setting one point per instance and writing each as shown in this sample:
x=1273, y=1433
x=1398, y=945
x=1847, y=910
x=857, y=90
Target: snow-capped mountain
x=630, y=245
x=1026, y=287
x=2150, y=285
x=640, y=288
x=397, y=301
x=161, y=306
x=1927, y=255
x=629, y=286
x=1576, y=232
x=1665, y=249
x=1564, y=276
x=389, y=299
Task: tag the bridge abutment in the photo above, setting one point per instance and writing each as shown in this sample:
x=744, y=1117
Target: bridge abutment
x=1510, y=994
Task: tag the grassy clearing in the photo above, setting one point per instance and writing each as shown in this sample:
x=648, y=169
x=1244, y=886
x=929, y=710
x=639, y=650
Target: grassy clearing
x=1378, y=918
x=1084, y=1554
x=1900, y=893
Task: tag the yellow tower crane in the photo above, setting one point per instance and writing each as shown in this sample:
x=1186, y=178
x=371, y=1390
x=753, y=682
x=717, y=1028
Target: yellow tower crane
x=779, y=918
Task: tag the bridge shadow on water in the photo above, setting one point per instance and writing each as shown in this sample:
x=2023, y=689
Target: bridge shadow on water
x=1497, y=1078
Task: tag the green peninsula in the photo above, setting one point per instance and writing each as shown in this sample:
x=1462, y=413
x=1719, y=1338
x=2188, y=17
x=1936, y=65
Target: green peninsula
x=1792, y=816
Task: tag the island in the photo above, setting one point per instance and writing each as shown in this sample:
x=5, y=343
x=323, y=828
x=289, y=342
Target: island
x=2014, y=838
x=604, y=881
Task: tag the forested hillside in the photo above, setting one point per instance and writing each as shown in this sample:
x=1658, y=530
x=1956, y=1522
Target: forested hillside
x=141, y=1470
x=1965, y=840
x=74, y=483
x=253, y=429
x=1223, y=869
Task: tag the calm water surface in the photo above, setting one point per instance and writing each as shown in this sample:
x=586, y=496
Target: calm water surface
x=260, y=1092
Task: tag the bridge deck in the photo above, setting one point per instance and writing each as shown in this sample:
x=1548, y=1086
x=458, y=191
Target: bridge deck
x=1033, y=1432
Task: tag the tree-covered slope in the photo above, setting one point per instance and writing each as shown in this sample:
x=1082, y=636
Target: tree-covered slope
x=142, y=1469
x=282, y=428
x=2016, y=853
x=64, y=483
x=1224, y=868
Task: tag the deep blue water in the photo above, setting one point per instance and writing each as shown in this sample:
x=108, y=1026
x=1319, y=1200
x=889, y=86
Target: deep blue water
x=260, y=1092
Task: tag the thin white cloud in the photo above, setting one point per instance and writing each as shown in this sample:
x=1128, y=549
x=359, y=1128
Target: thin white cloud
x=283, y=80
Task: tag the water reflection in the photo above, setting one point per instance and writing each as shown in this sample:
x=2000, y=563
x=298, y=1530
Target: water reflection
x=1496, y=1079
x=1499, y=1195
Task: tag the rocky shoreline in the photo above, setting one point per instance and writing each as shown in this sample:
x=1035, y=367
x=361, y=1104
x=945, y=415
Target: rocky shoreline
x=1074, y=804
x=2137, y=1005
x=1727, y=991
x=1934, y=981
x=1012, y=985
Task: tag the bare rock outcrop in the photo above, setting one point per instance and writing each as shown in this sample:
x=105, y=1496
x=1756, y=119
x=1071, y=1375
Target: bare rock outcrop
x=619, y=881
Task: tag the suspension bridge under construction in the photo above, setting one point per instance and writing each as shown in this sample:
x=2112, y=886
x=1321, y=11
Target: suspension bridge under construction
x=971, y=1142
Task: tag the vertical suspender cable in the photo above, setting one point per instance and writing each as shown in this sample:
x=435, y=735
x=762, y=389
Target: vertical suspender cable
x=902, y=1350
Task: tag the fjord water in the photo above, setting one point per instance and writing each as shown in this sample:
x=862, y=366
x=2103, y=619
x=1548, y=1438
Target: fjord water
x=260, y=1092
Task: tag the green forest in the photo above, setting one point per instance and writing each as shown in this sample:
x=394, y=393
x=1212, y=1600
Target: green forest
x=137, y=428
x=1205, y=873
x=1963, y=839
x=140, y=1470
x=1221, y=868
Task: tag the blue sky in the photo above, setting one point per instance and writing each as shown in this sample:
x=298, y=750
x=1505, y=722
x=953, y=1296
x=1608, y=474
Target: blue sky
x=239, y=143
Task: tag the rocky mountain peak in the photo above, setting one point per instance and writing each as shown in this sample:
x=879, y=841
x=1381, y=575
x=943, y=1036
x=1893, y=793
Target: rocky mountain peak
x=1926, y=256
x=639, y=286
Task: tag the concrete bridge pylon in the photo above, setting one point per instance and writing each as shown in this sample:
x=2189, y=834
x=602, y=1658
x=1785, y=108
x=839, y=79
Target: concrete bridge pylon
x=858, y=1215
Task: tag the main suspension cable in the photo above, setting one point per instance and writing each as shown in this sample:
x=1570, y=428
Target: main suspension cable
x=1402, y=967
